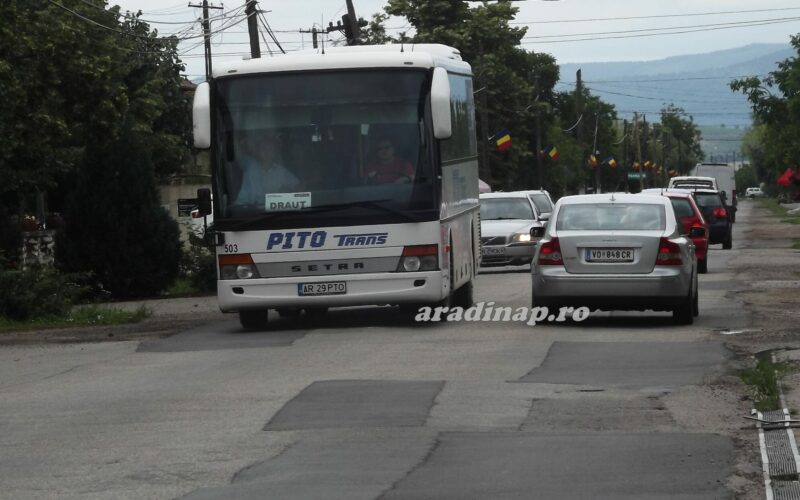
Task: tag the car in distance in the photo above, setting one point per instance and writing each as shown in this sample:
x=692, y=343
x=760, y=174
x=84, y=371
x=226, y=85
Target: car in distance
x=506, y=222
x=754, y=192
x=717, y=215
x=196, y=223
x=542, y=203
x=689, y=215
x=616, y=251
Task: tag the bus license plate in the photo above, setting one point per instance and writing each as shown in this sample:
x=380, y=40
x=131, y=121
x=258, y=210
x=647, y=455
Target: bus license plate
x=328, y=288
x=609, y=255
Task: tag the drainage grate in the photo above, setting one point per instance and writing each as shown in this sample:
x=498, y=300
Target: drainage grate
x=781, y=456
x=786, y=490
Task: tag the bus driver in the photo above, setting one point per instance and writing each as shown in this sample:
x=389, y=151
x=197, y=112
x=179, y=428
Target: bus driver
x=261, y=173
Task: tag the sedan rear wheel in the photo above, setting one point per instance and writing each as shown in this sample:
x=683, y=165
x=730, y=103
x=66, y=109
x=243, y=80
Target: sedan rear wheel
x=728, y=243
x=684, y=313
x=702, y=265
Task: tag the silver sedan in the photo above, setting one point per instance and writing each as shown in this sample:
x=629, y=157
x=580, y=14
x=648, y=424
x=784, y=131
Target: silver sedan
x=616, y=252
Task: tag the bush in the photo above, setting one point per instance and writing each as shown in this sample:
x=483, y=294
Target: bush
x=199, y=265
x=115, y=227
x=35, y=293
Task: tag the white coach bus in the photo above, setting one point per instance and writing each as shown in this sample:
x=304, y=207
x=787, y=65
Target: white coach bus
x=342, y=178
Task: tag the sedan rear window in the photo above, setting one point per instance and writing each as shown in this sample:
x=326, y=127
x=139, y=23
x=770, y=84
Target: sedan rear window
x=708, y=200
x=611, y=217
x=506, y=208
x=682, y=207
x=542, y=203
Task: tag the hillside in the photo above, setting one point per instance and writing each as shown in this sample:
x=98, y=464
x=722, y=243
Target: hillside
x=698, y=83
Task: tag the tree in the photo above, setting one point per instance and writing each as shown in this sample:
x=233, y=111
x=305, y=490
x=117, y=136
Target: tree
x=775, y=101
x=115, y=227
x=68, y=83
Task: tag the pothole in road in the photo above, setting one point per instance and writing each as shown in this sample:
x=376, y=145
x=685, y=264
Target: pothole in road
x=601, y=412
x=358, y=403
x=629, y=364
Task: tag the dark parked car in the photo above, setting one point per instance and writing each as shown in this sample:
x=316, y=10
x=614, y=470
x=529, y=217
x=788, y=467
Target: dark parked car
x=717, y=216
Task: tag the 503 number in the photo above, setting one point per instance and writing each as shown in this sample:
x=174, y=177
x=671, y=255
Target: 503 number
x=232, y=248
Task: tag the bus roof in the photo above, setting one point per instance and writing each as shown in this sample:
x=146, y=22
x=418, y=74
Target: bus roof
x=352, y=57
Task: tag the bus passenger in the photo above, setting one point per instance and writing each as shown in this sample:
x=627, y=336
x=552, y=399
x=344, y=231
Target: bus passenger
x=261, y=172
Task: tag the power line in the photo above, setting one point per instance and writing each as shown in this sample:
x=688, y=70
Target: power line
x=731, y=24
x=668, y=79
x=658, y=34
x=657, y=16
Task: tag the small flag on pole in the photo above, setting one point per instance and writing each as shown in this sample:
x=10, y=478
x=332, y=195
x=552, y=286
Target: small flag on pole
x=552, y=152
x=636, y=166
x=611, y=162
x=592, y=161
x=648, y=165
x=502, y=139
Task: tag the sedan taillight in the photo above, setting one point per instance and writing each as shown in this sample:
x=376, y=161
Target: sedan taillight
x=550, y=253
x=719, y=213
x=669, y=253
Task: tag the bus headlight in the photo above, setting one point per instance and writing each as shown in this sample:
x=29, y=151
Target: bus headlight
x=419, y=258
x=237, y=267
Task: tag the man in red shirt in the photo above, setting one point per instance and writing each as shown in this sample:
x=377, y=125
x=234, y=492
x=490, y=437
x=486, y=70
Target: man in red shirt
x=387, y=167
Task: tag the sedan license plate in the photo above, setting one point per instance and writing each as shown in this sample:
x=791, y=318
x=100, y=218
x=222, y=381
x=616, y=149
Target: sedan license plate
x=327, y=288
x=609, y=255
x=493, y=251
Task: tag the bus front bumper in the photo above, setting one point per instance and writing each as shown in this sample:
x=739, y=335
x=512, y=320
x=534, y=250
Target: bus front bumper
x=361, y=289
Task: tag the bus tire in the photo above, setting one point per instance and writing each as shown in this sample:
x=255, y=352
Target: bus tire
x=463, y=297
x=254, y=319
x=288, y=312
x=316, y=312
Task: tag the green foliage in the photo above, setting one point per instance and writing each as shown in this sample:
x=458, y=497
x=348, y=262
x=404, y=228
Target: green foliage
x=746, y=177
x=765, y=378
x=199, y=265
x=35, y=292
x=91, y=315
x=68, y=83
x=115, y=227
x=775, y=100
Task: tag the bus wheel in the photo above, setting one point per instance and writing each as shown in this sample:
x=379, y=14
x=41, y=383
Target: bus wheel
x=254, y=319
x=316, y=312
x=463, y=297
x=288, y=313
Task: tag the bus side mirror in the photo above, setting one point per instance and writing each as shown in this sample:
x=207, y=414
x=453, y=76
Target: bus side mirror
x=204, y=201
x=440, y=104
x=201, y=116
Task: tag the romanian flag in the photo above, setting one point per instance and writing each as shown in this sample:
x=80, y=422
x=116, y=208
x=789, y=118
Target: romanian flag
x=672, y=173
x=502, y=139
x=648, y=165
x=592, y=161
x=552, y=152
x=636, y=166
x=611, y=162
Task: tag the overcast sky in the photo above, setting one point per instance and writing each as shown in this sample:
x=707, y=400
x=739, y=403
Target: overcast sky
x=581, y=19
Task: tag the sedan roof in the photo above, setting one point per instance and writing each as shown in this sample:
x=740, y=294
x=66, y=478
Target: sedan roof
x=613, y=198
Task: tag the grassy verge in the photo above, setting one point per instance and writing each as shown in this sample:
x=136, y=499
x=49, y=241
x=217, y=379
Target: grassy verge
x=764, y=379
x=796, y=245
x=183, y=287
x=79, y=316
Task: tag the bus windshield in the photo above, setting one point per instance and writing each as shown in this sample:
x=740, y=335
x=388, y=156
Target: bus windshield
x=320, y=142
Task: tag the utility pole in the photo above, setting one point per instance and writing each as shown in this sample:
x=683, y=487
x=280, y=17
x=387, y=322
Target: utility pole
x=252, y=28
x=484, y=167
x=539, y=168
x=206, y=34
x=625, y=150
x=644, y=138
x=638, y=148
x=314, y=34
x=597, y=179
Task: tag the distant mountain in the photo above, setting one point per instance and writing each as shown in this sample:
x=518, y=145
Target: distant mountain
x=698, y=83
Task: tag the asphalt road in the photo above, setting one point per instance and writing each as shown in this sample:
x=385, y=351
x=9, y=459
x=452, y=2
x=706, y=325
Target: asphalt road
x=366, y=404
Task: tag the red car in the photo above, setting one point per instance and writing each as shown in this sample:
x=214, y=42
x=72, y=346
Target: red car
x=689, y=215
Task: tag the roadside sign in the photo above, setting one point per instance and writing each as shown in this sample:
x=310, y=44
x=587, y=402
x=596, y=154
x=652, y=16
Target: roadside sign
x=634, y=175
x=185, y=206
